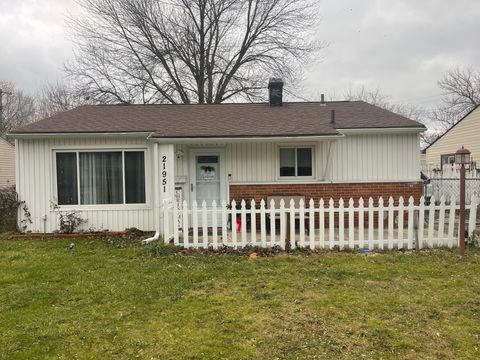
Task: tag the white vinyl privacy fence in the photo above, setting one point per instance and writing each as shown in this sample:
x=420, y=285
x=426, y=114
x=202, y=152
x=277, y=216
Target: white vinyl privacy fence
x=318, y=225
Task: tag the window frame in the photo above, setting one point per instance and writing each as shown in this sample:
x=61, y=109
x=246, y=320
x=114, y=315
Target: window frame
x=295, y=147
x=123, y=204
x=446, y=156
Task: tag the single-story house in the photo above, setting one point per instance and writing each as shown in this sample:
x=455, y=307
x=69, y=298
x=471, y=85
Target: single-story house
x=7, y=164
x=466, y=132
x=118, y=163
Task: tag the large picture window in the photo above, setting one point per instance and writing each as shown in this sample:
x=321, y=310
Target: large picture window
x=296, y=162
x=94, y=178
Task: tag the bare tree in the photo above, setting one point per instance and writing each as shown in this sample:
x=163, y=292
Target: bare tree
x=189, y=51
x=18, y=108
x=461, y=93
x=59, y=96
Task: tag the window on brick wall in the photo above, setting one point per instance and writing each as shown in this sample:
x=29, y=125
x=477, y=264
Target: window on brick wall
x=296, y=162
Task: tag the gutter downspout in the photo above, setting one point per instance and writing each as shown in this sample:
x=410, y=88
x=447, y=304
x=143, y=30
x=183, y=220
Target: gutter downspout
x=155, y=197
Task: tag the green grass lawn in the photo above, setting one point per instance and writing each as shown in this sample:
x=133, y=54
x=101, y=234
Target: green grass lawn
x=100, y=301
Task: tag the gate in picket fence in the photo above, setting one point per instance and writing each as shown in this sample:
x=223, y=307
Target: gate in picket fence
x=318, y=225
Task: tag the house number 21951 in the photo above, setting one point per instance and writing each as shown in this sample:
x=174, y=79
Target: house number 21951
x=164, y=173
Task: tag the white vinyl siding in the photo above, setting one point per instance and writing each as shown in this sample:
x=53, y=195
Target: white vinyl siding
x=37, y=184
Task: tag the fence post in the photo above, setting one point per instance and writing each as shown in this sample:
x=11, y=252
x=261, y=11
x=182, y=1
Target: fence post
x=175, y=225
x=233, y=223
x=391, y=217
x=253, y=223
x=321, y=217
x=400, y=222
x=186, y=242
x=204, y=225
x=431, y=221
x=272, y=223
x=301, y=225
x=451, y=221
x=224, y=222
x=421, y=222
x=243, y=219
x=195, y=224
x=214, y=225
x=370, y=223
x=441, y=222
x=341, y=224
x=292, y=224
x=351, y=224
x=283, y=225
x=361, y=224
x=331, y=224
x=311, y=223
x=263, y=232
x=410, y=224
x=380, y=223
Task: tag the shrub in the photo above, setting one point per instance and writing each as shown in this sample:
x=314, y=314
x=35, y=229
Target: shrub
x=69, y=220
x=8, y=208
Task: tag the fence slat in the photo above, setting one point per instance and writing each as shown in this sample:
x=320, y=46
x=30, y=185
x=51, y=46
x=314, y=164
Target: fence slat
x=292, y=224
x=224, y=223
x=351, y=224
x=361, y=224
x=243, y=219
x=195, y=224
x=233, y=223
x=263, y=231
x=301, y=225
x=400, y=222
x=253, y=223
x=214, y=225
x=186, y=242
x=380, y=223
x=391, y=218
x=341, y=224
x=272, y=223
x=451, y=221
x=421, y=222
x=472, y=221
x=410, y=225
x=431, y=221
x=175, y=225
x=204, y=225
x=321, y=216
x=331, y=224
x=283, y=224
x=441, y=223
x=370, y=223
x=311, y=223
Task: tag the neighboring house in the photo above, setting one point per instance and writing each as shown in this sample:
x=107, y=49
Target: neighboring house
x=465, y=132
x=7, y=164
x=118, y=163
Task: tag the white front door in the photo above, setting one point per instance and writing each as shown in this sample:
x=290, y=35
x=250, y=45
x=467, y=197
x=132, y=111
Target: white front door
x=208, y=180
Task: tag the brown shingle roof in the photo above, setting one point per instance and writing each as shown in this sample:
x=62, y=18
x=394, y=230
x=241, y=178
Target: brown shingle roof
x=224, y=120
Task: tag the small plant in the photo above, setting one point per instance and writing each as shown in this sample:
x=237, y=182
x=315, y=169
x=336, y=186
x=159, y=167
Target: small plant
x=69, y=220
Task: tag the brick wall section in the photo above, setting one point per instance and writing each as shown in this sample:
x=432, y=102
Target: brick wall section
x=336, y=191
x=325, y=191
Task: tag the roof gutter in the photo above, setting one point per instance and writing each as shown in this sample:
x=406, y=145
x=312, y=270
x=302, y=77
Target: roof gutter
x=74, y=135
x=381, y=130
x=203, y=140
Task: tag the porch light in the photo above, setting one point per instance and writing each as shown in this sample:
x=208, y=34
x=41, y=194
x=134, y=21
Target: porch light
x=462, y=158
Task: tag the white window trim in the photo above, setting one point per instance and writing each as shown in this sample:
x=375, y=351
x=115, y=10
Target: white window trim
x=120, y=206
x=296, y=177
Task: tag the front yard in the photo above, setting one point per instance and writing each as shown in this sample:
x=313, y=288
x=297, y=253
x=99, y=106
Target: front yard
x=100, y=301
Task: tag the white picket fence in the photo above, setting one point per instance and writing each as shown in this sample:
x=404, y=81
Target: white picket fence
x=318, y=225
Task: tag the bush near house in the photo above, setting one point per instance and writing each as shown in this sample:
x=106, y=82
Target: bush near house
x=98, y=300
x=8, y=209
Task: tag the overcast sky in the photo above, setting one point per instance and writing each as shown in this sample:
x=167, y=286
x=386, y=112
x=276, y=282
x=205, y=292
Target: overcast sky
x=401, y=47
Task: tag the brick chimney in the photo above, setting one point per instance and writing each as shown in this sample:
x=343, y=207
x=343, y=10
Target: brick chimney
x=275, y=90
